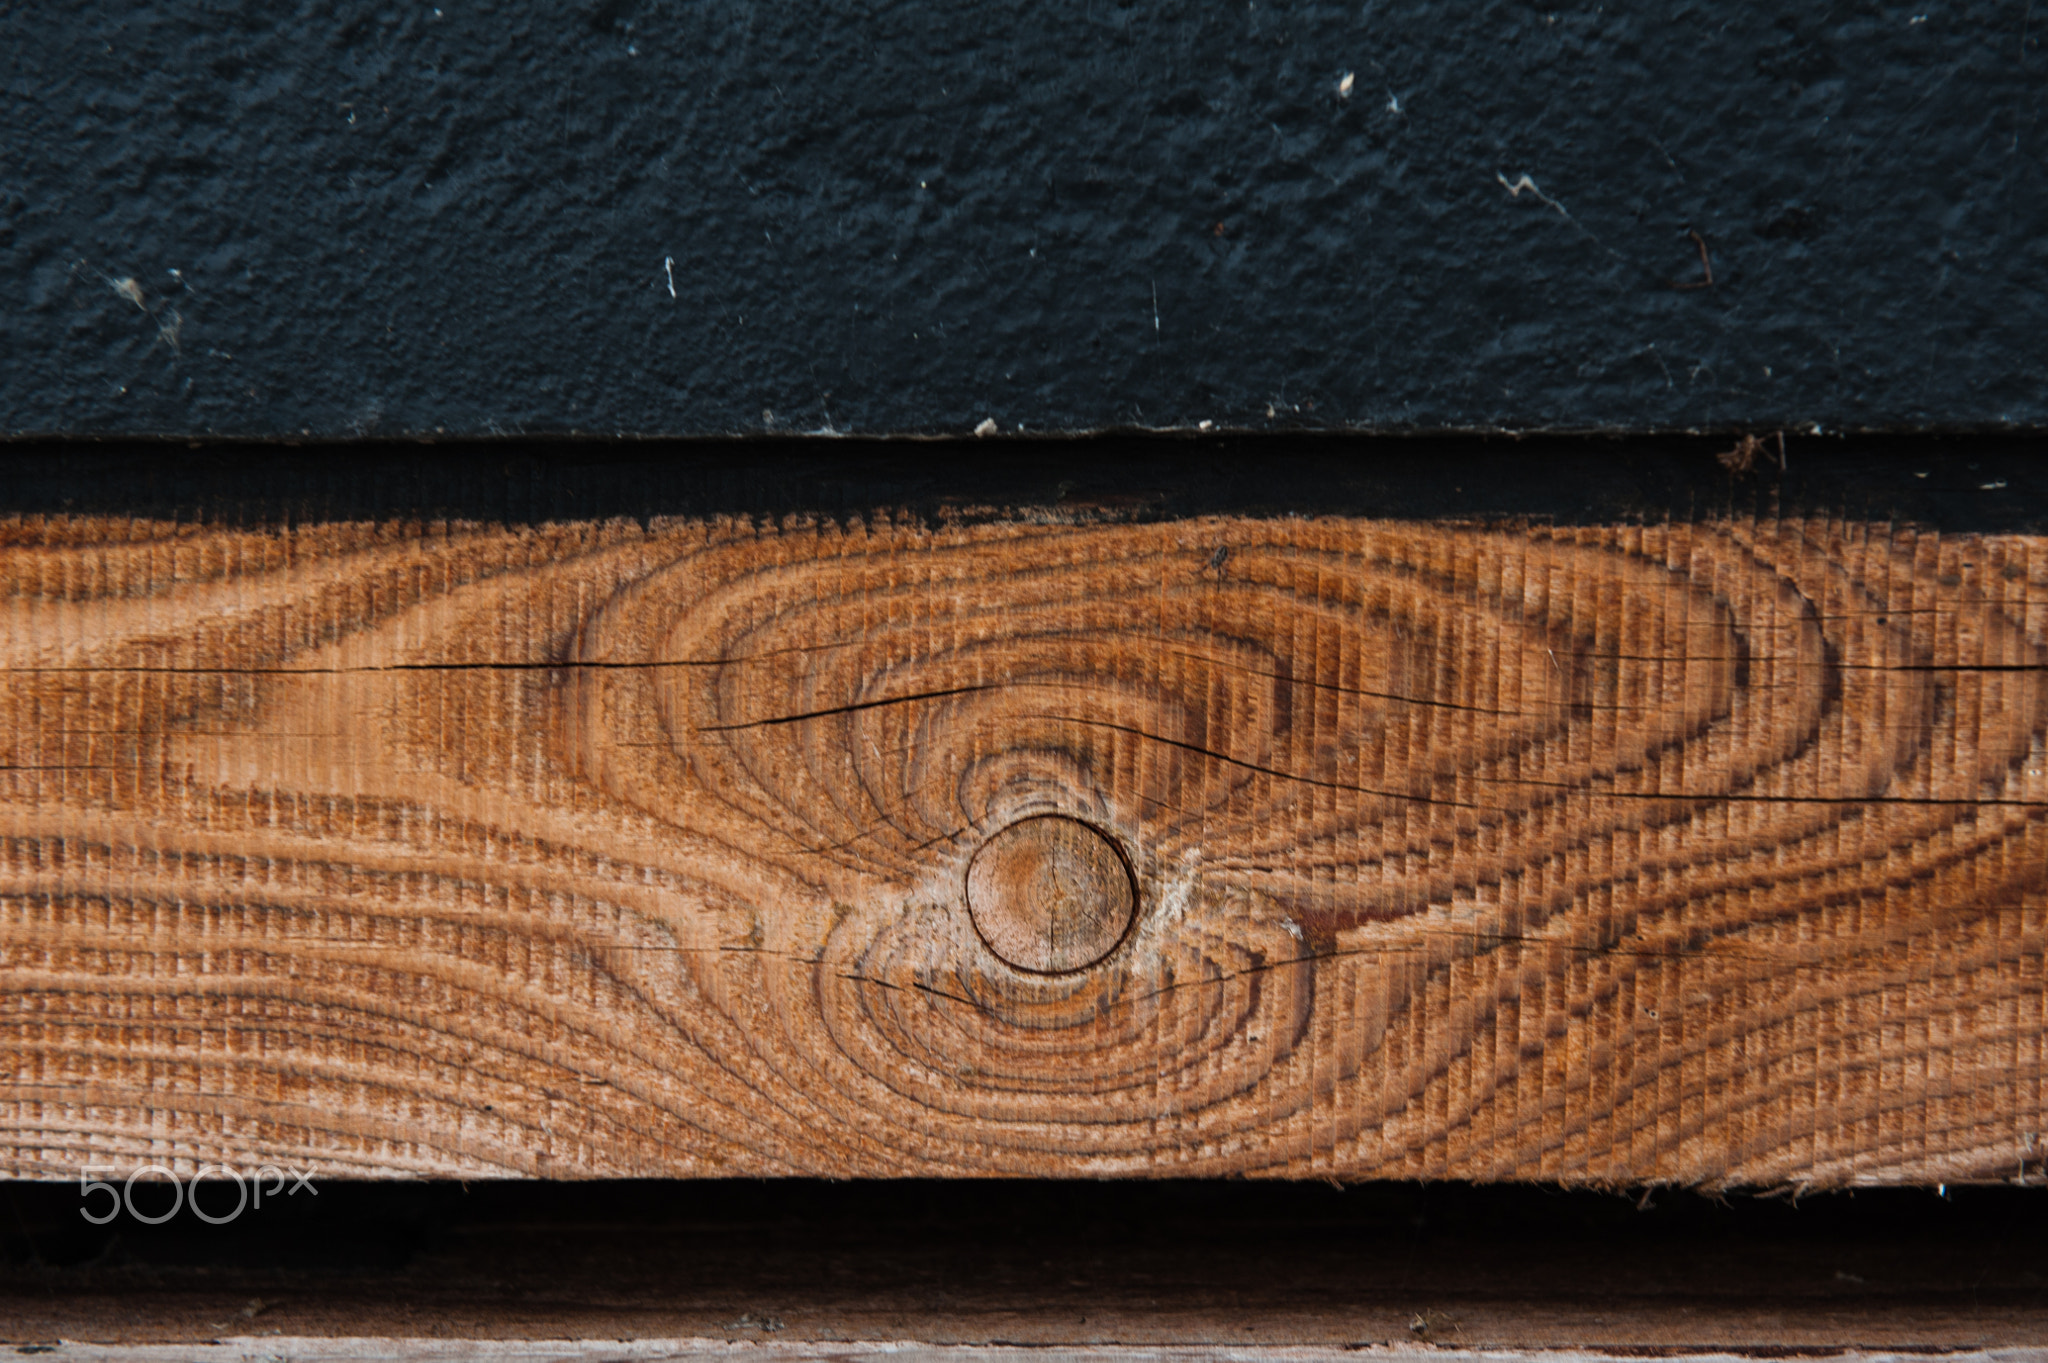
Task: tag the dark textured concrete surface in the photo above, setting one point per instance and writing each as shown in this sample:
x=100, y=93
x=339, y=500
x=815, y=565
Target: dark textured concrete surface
x=724, y=216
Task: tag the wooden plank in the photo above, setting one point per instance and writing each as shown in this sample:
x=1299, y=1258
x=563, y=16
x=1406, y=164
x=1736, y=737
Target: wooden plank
x=376, y=1349
x=1705, y=853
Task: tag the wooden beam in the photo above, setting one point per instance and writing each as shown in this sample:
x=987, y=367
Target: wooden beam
x=1703, y=853
x=422, y=1349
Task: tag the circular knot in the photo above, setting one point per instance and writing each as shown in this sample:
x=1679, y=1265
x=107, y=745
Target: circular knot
x=1049, y=894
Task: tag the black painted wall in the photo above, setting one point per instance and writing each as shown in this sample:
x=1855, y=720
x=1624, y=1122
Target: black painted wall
x=724, y=216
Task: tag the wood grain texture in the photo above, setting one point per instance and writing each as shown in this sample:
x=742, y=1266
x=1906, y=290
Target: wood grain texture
x=1709, y=853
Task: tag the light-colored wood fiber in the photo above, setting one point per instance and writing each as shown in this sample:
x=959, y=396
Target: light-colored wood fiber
x=1707, y=853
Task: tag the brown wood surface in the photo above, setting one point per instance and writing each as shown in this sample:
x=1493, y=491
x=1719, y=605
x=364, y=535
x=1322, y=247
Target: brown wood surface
x=1689, y=852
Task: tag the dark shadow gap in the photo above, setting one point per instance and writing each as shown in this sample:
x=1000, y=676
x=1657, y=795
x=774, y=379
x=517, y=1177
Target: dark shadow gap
x=1962, y=482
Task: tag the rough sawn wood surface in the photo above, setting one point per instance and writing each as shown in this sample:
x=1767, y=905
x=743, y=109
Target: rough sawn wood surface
x=1710, y=853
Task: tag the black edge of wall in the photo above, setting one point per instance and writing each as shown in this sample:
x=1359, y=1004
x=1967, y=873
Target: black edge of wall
x=1974, y=482
x=371, y=1225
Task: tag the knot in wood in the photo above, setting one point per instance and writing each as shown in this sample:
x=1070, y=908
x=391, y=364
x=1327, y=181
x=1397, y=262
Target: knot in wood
x=1049, y=894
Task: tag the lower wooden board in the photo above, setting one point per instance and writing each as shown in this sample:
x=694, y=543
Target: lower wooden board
x=1710, y=853
x=239, y=1348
